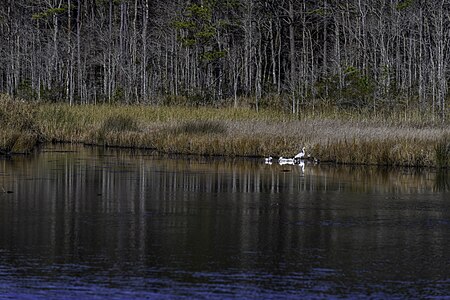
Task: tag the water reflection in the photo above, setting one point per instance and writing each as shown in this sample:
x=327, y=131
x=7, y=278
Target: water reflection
x=442, y=181
x=186, y=226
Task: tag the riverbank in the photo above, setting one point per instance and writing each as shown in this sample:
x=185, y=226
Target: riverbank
x=328, y=135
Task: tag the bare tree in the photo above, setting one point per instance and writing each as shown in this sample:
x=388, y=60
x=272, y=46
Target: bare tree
x=358, y=52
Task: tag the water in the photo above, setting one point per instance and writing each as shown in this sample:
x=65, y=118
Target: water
x=92, y=223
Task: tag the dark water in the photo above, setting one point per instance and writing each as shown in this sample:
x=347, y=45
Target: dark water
x=96, y=223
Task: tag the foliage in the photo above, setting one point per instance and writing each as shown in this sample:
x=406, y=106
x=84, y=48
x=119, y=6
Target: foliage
x=25, y=91
x=197, y=25
x=216, y=51
x=53, y=94
x=49, y=13
x=200, y=26
x=356, y=91
x=404, y=4
x=213, y=55
x=357, y=87
x=118, y=95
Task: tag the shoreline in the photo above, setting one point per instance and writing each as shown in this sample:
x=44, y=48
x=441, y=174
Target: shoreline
x=227, y=132
x=39, y=147
x=39, y=144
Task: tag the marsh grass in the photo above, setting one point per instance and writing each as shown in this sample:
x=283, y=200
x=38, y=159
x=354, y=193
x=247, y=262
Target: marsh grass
x=25, y=143
x=442, y=150
x=8, y=138
x=348, y=137
x=19, y=131
x=115, y=130
x=119, y=123
x=17, y=115
x=200, y=127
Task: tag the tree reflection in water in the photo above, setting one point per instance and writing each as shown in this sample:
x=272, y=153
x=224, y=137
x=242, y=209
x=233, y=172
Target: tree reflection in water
x=126, y=219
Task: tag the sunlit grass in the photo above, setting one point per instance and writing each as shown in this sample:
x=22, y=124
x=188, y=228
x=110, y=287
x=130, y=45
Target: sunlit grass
x=19, y=132
x=342, y=136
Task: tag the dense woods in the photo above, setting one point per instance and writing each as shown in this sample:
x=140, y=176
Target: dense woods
x=287, y=54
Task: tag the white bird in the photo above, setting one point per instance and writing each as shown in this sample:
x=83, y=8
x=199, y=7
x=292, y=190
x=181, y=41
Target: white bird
x=286, y=161
x=301, y=164
x=268, y=160
x=301, y=154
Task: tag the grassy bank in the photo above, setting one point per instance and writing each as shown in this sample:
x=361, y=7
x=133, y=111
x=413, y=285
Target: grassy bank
x=19, y=130
x=329, y=135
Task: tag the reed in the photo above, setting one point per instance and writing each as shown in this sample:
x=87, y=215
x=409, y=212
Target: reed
x=200, y=127
x=341, y=136
x=442, y=150
x=19, y=131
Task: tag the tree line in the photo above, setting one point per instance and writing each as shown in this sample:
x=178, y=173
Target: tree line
x=285, y=53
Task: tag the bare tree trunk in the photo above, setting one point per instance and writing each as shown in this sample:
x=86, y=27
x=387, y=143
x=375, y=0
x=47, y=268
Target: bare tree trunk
x=325, y=45
x=273, y=55
x=110, y=54
x=440, y=60
x=70, y=60
x=79, y=72
x=421, y=61
x=144, y=77
x=292, y=53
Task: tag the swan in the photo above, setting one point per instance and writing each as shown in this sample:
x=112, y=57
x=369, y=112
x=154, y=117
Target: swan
x=268, y=160
x=301, y=154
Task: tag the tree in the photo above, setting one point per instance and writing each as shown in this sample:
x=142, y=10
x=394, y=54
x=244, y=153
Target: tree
x=219, y=51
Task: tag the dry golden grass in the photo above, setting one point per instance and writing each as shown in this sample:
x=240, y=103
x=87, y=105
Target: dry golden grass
x=327, y=134
x=19, y=131
x=340, y=137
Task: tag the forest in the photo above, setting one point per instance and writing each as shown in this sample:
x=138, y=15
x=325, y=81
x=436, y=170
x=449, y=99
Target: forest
x=284, y=54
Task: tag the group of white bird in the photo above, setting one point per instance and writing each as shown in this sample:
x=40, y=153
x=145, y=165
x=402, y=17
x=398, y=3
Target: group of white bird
x=296, y=160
